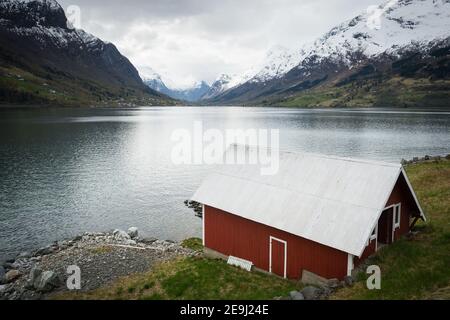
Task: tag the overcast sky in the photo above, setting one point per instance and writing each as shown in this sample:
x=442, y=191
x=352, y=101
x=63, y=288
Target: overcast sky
x=192, y=40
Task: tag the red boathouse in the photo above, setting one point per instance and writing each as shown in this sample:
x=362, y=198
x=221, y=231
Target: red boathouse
x=317, y=213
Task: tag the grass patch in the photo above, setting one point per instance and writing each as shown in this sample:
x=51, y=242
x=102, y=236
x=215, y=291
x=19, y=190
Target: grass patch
x=391, y=92
x=418, y=268
x=195, y=244
x=22, y=87
x=192, y=278
x=100, y=250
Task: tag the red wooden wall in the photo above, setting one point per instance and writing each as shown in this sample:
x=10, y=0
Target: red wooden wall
x=400, y=194
x=233, y=235
x=409, y=208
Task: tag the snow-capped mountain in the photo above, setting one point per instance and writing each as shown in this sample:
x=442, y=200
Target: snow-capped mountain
x=45, y=19
x=279, y=60
x=387, y=29
x=383, y=33
x=226, y=82
x=155, y=81
x=221, y=84
x=35, y=37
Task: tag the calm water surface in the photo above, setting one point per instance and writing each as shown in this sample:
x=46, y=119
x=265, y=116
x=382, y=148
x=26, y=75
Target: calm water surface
x=63, y=172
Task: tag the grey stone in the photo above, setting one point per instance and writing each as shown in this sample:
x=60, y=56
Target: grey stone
x=334, y=283
x=282, y=298
x=2, y=275
x=2, y=289
x=325, y=292
x=45, y=251
x=349, y=281
x=149, y=240
x=12, y=275
x=295, y=295
x=24, y=255
x=21, y=264
x=311, y=293
x=36, y=259
x=130, y=242
x=47, y=281
x=121, y=235
x=35, y=273
x=133, y=232
x=310, y=278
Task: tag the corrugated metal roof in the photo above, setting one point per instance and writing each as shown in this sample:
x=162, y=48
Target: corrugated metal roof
x=333, y=201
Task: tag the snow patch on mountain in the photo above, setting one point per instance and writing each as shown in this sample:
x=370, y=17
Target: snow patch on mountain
x=155, y=81
x=227, y=82
x=279, y=60
x=386, y=29
x=51, y=4
x=44, y=20
x=400, y=24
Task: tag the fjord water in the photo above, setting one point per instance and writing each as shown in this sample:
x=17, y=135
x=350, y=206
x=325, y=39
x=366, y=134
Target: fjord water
x=66, y=171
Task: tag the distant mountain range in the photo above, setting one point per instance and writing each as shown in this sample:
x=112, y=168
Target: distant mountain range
x=43, y=60
x=198, y=92
x=154, y=80
x=396, y=55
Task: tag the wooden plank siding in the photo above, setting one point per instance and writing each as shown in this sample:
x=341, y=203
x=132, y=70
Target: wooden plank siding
x=370, y=250
x=233, y=235
x=402, y=195
x=236, y=236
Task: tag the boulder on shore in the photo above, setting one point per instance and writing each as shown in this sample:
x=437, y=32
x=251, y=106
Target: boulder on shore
x=349, y=281
x=133, y=232
x=121, y=235
x=24, y=255
x=310, y=278
x=149, y=240
x=12, y=275
x=295, y=295
x=44, y=281
x=311, y=293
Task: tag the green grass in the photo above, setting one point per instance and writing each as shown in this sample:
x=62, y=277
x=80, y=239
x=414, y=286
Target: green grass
x=20, y=87
x=191, y=279
x=418, y=268
x=195, y=244
x=390, y=92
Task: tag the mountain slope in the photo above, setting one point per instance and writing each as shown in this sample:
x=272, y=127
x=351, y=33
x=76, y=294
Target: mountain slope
x=367, y=50
x=45, y=61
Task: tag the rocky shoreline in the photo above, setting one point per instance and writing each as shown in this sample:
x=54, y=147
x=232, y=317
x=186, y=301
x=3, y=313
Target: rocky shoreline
x=101, y=257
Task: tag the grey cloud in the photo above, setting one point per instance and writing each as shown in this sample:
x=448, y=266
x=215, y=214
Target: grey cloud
x=192, y=40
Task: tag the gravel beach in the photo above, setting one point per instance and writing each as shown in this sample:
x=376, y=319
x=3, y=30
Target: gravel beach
x=101, y=258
